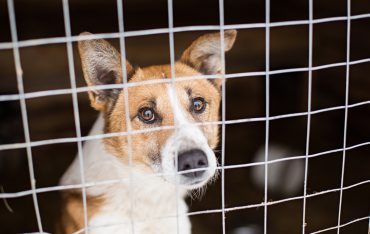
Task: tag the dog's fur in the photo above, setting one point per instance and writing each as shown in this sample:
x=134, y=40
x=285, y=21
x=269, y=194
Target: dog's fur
x=140, y=200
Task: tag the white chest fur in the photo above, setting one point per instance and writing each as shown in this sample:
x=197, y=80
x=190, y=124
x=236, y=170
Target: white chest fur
x=151, y=203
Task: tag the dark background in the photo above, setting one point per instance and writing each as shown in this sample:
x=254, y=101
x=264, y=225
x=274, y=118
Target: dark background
x=46, y=68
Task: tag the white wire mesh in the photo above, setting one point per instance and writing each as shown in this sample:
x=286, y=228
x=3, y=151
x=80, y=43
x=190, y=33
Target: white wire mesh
x=15, y=44
x=127, y=112
x=18, y=68
x=348, y=55
x=267, y=93
x=76, y=112
x=310, y=38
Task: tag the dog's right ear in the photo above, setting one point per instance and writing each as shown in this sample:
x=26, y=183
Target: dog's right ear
x=101, y=64
x=204, y=54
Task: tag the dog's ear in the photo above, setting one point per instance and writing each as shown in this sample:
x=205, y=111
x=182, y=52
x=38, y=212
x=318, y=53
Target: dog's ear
x=204, y=54
x=101, y=64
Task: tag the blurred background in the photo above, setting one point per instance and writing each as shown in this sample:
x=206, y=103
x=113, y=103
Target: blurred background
x=45, y=67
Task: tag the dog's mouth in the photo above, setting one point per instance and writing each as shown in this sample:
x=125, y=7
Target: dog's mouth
x=193, y=176
x=192, y=183
x=197, y=182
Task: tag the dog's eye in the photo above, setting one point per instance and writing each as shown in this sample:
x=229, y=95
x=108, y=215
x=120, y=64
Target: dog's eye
x=147, y=115
x=198, y=105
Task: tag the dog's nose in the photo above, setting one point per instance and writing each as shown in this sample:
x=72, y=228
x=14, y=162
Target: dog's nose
x=192, y=159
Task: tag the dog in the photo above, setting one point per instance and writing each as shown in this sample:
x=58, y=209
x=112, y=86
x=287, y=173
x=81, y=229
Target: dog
x=156, y=168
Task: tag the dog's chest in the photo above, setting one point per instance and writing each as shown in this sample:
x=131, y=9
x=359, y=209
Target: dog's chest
x=152, y=212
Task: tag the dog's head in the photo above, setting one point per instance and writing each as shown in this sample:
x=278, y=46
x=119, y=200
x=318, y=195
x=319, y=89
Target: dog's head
x=183, y=154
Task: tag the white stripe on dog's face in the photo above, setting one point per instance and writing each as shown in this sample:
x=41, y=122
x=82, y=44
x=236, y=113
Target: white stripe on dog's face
x=179, y=117
x=186, y=137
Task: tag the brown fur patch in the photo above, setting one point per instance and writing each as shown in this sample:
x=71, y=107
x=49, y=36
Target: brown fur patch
x=72, y=216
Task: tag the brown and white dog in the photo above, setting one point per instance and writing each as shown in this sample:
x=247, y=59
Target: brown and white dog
x=139, y=203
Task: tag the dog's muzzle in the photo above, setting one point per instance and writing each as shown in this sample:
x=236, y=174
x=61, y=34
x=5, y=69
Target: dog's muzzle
x=187, y=159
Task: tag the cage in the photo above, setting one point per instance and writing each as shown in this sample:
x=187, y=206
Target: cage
x=294, y=150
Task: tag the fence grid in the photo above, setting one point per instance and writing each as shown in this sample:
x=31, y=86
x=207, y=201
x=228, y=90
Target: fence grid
x=19, y=73
x=22, y=96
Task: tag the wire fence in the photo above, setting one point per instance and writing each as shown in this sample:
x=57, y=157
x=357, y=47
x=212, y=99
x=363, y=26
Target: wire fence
x=22, y=96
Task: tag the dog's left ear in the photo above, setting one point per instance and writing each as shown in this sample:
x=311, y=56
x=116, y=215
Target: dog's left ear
x=204, y=54
x=101, y=64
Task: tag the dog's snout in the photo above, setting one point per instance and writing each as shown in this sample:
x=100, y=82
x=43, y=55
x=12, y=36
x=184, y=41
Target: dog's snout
x=192, y=159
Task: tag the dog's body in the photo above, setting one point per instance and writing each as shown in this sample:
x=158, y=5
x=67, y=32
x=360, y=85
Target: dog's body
x=152, y=198
x=149, y=197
